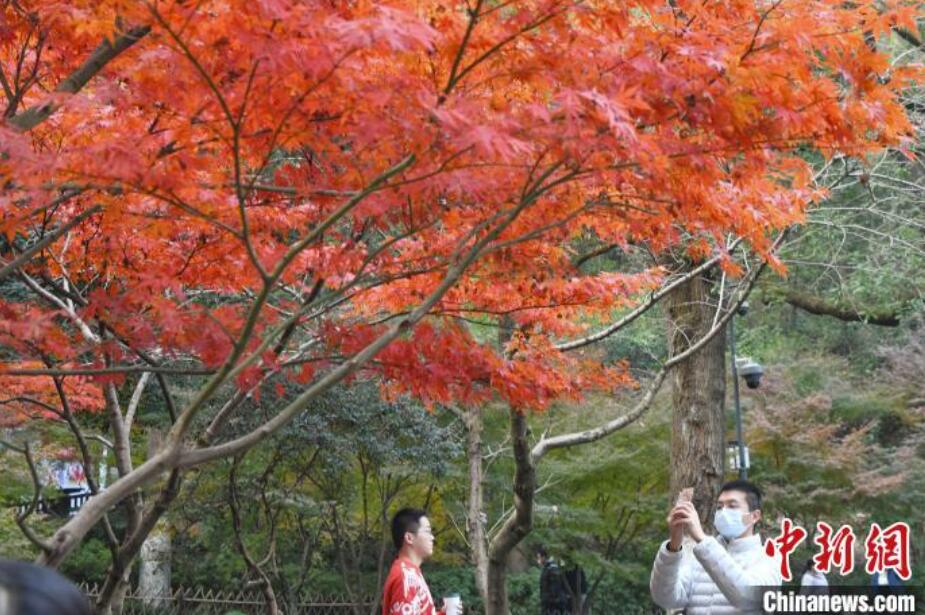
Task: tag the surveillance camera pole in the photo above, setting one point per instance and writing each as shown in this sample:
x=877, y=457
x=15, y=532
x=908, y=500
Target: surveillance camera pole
x=743, y=471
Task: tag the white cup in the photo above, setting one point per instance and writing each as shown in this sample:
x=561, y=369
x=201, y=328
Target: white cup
x=452, y=604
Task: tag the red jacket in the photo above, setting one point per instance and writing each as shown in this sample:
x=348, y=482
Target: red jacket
x=406, y=591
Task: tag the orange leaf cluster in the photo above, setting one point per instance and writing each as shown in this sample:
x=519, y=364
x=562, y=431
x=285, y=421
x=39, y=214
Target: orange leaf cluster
x=24, y=400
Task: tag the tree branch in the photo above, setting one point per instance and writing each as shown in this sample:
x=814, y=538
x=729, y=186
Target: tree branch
x=88, y=464
x=116, y=369
x=101, y=56
x=592, y=435
x=643, y=307
x=820, y=307
x=519, y=524
x=462, y=258
x=135, y=400
x=473, y=18
x=48, y=239
x=36, y=496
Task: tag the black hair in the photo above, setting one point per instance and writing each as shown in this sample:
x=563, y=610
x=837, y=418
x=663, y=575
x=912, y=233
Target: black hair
x=541, y=551
x=34, y=590
x=752, y=493
x=810, y=565
x=406, y=520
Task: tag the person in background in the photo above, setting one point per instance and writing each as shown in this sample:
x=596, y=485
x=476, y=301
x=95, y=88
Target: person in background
x=27, y=589
x=813, y=581
x=554, y=594
x=885, y=581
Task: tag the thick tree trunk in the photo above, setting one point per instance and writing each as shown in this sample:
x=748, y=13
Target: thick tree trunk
x=475, y=524
x=496, y=602
x=698, y=389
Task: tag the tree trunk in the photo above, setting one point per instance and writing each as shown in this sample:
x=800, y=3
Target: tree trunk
x=698, y=391
x=496, y=601
x=117, y=603
x=112, y=595
x=116, y=584
x=519, y=524
x=475, y=524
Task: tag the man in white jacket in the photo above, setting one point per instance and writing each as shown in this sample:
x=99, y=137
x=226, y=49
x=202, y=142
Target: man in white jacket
x=715, y=576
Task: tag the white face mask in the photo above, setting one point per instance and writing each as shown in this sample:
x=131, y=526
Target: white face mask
x=728, y=522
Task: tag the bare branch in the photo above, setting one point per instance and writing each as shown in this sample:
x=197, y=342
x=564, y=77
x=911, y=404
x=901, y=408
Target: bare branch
x=85, y=329
x=224, y=412
x=101, y=371
x=643, y=307
x=36, y=496
x=602, y=431
x=592, y=435
x=135, y=400
x=87, y=459
x=48, y=239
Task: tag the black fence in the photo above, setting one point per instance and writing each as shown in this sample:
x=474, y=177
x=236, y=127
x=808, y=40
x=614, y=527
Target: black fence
x=65, y=505
x=203, y=601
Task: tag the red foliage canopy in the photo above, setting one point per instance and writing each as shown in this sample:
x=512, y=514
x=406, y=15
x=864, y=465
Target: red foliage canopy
x=354, y=167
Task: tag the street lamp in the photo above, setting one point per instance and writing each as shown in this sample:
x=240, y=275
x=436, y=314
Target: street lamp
x=751, y=371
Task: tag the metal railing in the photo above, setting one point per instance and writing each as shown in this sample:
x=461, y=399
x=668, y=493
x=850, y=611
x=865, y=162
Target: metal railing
x=204, y=601
x=66, y=504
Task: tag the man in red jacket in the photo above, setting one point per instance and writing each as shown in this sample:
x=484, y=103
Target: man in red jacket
x=406, y=591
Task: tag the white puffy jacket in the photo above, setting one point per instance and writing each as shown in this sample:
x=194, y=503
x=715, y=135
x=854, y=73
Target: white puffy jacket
x=711, y=578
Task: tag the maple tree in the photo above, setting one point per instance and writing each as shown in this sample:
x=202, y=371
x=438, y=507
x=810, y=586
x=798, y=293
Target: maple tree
x=232, y=189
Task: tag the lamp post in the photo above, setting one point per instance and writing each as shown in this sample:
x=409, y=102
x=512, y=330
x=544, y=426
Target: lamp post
x=751, y=371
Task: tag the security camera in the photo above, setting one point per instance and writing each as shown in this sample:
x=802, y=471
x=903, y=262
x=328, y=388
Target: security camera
x=752, y=372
